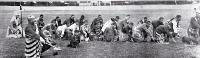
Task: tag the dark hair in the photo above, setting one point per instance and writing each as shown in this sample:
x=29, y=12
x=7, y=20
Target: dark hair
x=41, y=15
x=72, y=15
x=82, y=17
x=178, y=16
x=57, y=17
x=145, y=17
x=161, y=18
x=112, y=19
x=117, y=17
x=99, y=15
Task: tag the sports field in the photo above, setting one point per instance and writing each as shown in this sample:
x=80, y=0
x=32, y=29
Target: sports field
x=14, y=48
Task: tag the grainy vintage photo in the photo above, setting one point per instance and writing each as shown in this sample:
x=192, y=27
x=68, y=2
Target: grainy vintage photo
x=100, y=28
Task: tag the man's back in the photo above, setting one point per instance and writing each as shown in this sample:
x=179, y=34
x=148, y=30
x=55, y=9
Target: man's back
x=156, y=23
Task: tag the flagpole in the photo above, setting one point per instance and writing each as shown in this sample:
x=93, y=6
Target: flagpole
x=22, y=33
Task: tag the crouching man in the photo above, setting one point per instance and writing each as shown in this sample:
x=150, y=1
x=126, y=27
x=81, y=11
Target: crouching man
x=75, y=37
x=143, y=33
x=47, y=31
x=85, y=31
x=111, y=33
x=163, y=33
x=15, y=28
x=96, y=33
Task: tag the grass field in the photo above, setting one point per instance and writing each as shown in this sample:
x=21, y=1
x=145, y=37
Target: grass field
x=14, y=48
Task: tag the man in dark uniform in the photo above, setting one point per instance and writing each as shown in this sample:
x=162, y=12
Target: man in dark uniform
x=82, y=19
x=57, y=21
x=41, y=21
x=156, y=23
x=96, y=27
x=70, y=21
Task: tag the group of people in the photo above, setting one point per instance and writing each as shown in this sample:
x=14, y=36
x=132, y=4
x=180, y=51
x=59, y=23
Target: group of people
x=40, y=36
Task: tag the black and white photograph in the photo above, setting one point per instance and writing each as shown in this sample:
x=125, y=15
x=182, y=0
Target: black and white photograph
x=99, y=28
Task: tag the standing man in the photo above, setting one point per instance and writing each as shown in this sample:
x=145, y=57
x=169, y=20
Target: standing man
x=41, y=21
x=157, y=23
x=82, y=20
x=193, y=30
x=32, y=39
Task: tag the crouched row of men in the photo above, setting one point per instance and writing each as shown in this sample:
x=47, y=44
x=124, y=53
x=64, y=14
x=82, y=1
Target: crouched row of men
x=115, y=29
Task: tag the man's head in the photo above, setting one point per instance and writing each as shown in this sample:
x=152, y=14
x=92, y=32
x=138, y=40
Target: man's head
x=41, y=16
x=114, y=25
x=112, y=19
x=31, y=19
x=131, y=24
x=178, y=17
x=127, y=17
x=82, y=16
x=161, y=19
x=17, y=14
x=99, y=16
x=145, y=19
x=117, y=18
x=148, y=23
x=197, y=11
x=72, y=16
x=14, y=24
